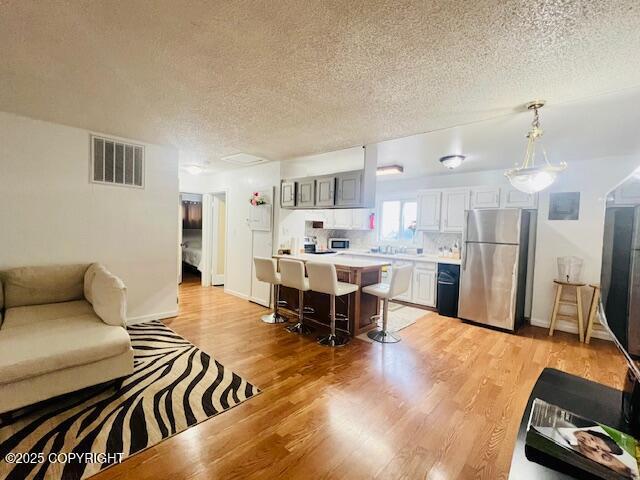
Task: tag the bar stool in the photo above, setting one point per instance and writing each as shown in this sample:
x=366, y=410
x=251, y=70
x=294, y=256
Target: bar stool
x=398, y=284
x=593, y=310
x=292, y=276
x=267, y=271
x=324, y=279
x=577, y=304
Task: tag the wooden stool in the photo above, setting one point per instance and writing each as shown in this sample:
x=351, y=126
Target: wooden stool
x=577, y=304
x=593, y=310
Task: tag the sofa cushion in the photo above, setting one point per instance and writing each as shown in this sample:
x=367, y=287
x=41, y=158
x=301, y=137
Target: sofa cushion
x=40, y=285
x=27, y=352
x=109, y=298
x=34, y=314
x=88, y=280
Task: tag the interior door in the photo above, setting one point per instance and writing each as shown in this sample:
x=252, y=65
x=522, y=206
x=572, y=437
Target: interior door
x=180, y=217
x=488, y=284
x=261, y=246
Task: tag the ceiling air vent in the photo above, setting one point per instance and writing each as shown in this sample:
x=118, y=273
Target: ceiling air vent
x=243, y=159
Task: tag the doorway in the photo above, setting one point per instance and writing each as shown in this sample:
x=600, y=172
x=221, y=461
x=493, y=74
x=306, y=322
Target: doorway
x=190, y=237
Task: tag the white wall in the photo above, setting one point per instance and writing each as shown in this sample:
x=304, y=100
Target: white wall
x=239, y=184
x=594, y=179
x=50, y=213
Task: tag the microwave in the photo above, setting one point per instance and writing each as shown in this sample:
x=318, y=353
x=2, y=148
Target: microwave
x=338, y=244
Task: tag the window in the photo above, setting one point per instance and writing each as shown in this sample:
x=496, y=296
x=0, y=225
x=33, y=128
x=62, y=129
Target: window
x=398, y=220
x=116, y=162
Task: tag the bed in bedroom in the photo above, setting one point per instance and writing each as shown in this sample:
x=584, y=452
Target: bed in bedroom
x=192, y=247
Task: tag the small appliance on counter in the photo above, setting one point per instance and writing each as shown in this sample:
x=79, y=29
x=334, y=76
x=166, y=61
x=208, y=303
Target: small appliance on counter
x=338, y=244
x=310, y=246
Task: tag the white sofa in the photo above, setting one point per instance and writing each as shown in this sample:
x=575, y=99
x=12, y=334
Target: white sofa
x=62, y=328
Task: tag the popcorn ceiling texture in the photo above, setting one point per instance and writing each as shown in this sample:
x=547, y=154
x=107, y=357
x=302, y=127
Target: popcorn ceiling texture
x=286, y=78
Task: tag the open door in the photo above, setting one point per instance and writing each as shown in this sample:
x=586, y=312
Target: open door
x=180, y=218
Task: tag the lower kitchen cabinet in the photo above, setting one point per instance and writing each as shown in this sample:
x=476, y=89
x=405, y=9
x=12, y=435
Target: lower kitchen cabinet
x=424, y=284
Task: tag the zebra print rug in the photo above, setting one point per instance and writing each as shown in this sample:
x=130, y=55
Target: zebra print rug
x=174, y=386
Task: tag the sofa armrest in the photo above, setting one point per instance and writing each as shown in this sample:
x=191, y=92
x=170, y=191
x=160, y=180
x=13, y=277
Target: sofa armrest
x=109, y=298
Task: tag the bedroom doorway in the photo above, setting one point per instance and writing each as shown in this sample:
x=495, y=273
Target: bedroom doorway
x=190, y=241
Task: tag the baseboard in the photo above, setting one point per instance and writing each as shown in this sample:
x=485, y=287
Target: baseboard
x=218, y=279
x=570, y=327
x=236, y=294
x=153, y=316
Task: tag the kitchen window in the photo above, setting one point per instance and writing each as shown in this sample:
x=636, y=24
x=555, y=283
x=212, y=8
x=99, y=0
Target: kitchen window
x=398, y=220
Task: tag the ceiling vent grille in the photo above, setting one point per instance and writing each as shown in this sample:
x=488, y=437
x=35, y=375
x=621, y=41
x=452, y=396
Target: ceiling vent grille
x=243, y=159
x=115, y=162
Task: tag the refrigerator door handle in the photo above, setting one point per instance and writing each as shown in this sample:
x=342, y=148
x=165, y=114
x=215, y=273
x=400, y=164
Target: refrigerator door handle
x=463, y=251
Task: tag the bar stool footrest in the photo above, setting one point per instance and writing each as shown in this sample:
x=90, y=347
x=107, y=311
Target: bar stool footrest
x=273, y=318
x=382, y=336
x=331, y=340
x=299, y=328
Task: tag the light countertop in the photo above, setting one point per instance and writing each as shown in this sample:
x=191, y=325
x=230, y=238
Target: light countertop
x=338, y=259
x=401, y=256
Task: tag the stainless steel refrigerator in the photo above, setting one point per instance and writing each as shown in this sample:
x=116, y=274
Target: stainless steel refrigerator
x=496, y=274
x=633, y=322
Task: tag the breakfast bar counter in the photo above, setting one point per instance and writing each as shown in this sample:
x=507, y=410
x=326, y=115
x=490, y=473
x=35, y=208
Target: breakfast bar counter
x=359, y=307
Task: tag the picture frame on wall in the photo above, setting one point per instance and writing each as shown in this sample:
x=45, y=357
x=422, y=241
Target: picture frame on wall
x=564, y=206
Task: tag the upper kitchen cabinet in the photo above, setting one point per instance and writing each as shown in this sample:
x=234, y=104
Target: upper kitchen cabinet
x=454, y=203
x=325, y=190
x=288, y=194
x=484, y=197
x=361, y=219
x=512, y=198
x=349, y=189
x=429, y=211
x=628, y=193
x=306, y=193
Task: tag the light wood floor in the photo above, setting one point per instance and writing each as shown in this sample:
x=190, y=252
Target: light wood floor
x=444, y=403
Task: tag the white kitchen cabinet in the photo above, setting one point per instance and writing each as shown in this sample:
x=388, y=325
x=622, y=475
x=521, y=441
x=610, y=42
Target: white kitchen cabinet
x=424, y=284
x=628, y=193
x=342, y=219
x=306, y=193
x=454, y=204
x=513, y=198
x=288, y=194
x=360, y=219
x=485, y=197
x=429, y=210
x=325, y=190
x=349, y=189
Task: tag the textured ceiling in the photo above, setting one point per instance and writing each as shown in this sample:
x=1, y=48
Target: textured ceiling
x=284, y=78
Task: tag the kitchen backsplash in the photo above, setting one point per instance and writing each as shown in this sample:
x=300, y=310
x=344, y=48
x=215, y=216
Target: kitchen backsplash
x=364, y=239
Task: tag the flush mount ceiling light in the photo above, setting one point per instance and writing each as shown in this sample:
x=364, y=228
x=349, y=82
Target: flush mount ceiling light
x=452, y=161
x=194, y=169
x=389, y=170
x=529, y=178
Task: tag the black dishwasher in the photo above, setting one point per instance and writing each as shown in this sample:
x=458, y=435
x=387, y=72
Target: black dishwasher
x=448, y=285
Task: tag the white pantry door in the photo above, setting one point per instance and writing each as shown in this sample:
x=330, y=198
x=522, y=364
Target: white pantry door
x=261, y=246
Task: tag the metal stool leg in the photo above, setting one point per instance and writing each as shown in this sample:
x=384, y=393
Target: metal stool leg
x=333, y=340
x=274, y=317
x=300, y=327
x=383, y=336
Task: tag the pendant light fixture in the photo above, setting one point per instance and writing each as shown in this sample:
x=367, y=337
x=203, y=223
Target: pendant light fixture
x=529, y=177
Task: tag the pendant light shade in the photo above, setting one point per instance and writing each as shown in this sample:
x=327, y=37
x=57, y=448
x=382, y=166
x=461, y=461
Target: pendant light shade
x=529, y=178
